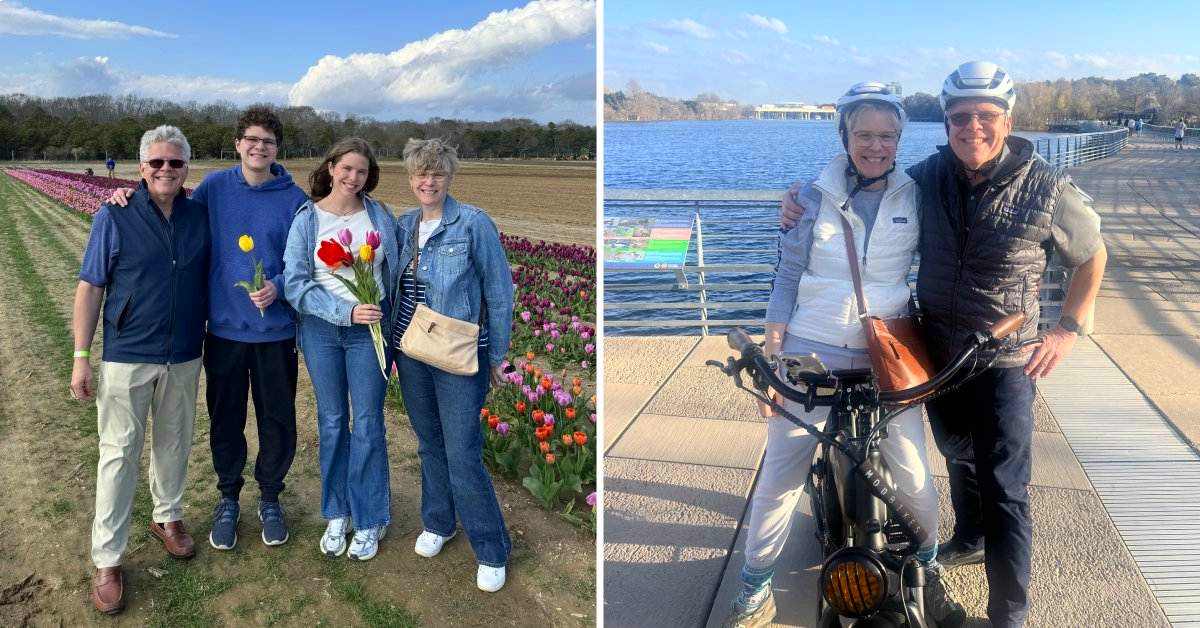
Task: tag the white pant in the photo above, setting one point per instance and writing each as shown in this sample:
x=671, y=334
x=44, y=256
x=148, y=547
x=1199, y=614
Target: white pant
x=789, y=457
x=126, y=396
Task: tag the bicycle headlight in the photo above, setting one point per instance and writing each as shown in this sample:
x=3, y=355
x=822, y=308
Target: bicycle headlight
x=854, y=582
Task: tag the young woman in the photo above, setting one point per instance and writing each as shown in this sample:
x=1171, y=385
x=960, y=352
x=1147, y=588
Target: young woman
x=337, y=344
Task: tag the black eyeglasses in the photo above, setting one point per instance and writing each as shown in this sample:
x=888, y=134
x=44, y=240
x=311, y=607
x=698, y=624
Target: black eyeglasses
x=963, y=118
x=158, y=163
x=266, y=142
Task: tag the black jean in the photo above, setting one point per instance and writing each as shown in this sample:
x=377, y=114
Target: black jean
x=268, y=369
x=985, y=431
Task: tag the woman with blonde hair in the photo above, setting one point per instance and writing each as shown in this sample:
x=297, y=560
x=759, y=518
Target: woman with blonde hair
x=454, y=264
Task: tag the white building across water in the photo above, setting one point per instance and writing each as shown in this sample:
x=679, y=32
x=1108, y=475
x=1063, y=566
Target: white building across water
x=794, y=111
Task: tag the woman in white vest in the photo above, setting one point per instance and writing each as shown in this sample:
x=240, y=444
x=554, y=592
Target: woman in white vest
x=813, y=310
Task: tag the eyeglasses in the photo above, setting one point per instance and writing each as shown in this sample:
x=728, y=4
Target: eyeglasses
x=437, y=177
x=963, y=118
x=266, y=142
x=866, y=138
x=158, y=163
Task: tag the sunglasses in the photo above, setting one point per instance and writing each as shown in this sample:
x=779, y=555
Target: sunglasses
x=158, y=163
x=963, y=118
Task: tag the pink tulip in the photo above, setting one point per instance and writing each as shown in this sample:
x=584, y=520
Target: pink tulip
x=549, y=346
x=525, y=316
x=373, y=239
x=591, y=499
x=345, y=237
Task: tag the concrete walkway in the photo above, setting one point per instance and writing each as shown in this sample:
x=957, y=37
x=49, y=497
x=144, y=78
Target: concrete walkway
x=683, y=446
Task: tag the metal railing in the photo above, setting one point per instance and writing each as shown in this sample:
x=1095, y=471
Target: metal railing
x=1080, y=148
x=740, y=229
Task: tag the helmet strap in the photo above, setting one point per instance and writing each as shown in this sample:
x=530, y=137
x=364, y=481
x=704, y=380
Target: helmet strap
x=862, y=182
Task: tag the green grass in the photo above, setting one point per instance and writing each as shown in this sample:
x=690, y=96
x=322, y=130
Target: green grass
x=47, y=234
x=374, y=613
x=180, y=596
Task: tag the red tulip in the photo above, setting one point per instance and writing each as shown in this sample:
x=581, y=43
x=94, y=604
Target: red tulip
x=334, y=255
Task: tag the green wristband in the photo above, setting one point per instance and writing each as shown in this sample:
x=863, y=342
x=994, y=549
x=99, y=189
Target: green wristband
x=83, y=353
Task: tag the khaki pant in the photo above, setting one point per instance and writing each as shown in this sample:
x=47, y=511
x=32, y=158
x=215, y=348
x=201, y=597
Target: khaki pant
x=127, y=395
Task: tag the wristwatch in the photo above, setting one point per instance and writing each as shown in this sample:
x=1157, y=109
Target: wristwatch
x=1069, y=323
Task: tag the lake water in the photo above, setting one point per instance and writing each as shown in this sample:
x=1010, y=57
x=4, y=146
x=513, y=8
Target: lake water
x=721, y=155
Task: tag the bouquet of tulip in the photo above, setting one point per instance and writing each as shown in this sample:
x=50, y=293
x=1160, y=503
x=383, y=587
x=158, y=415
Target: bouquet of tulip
x=246, y=244
x=336, y=254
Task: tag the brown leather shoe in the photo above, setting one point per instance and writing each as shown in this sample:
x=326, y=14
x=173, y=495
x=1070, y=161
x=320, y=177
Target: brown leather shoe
x=108, y=590
x=176, y=539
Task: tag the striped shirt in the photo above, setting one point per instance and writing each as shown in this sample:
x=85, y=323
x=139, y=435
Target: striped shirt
x=412, y=292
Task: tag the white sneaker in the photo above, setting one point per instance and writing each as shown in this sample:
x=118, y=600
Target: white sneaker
x=429, y=544
x=365, y=543
x=490, y=579
x=333, y=542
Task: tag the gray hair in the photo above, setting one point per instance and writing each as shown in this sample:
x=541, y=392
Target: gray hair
x=164, y=133
x=856, y=113
x=430, y=156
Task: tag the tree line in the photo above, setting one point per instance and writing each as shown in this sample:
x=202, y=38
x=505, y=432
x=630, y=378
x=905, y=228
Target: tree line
x=96, y=127
x=1156, y=98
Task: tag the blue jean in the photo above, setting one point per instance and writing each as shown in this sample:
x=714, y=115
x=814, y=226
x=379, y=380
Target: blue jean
x=444, y=411
x=354, y=466
x=985, y=431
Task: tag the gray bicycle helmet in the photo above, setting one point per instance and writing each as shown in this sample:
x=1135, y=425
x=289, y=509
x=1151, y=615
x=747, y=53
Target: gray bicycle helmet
x=979, y=79
x=870, y=91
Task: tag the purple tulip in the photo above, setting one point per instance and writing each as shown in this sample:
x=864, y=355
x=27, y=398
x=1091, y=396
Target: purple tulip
x=591, y=499
x=583, y=363
x=589, y=348
x=548, y=419
x=373, y=239
x=514, y=377
x=585, y=334
x=537, y=332
x=502, y=428
x=549, y=346
x=554, y=334
x=345, y=237
x=592, y=418
x=525, y=316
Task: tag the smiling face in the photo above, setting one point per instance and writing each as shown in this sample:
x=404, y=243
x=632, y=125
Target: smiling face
x=873, y=140
x=349, y=174
x=164, y=181
x=257, y=147
x=980, y=131
x=430, y=188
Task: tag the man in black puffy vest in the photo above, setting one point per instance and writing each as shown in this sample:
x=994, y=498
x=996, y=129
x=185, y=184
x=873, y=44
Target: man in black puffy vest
x=992, y=212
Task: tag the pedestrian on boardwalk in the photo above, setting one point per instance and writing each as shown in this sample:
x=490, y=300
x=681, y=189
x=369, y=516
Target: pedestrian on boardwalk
x=149, y=265
x=981, y=261
x=812, y=293
x=1180, y=131
x=455, y=266
x=339, y=350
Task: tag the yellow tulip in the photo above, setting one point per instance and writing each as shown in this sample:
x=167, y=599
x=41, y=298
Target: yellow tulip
x=246, y=243
x=366, y=253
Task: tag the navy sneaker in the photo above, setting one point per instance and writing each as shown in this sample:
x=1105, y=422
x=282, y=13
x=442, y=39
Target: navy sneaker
x=224, y=528
x=275, y=530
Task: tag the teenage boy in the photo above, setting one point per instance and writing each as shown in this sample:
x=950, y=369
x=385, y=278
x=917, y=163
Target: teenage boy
x=250, y=348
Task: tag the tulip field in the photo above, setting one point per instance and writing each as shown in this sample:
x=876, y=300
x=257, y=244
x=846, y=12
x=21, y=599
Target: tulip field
x=539, y=434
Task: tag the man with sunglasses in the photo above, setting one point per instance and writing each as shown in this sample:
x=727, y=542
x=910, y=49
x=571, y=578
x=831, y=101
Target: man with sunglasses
x=148, y=263
x=250, y=348
x=991, y=213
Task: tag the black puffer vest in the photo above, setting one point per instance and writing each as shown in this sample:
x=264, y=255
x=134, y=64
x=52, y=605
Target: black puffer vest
x=972, y=275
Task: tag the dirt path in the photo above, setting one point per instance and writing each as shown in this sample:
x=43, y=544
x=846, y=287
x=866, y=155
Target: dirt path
x=47, y=474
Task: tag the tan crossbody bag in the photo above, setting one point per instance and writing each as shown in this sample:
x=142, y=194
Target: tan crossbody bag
x=438, y=340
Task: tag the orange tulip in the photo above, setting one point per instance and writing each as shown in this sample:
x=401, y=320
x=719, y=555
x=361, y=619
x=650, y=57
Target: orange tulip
x=550, y=458
x=528, y=355
x=570, y=412
x=577, y=390
x=483, y=412
x=544, y=432
x=493, y=421
x=567, y=440
x=521, y=407
x=545, y=383
x=580, y=438
x=537, y=416
x=545, y=447
x=576, y=382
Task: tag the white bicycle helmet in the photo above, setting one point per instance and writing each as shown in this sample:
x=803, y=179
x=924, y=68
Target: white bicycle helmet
x=870, y=91
x=979, y=79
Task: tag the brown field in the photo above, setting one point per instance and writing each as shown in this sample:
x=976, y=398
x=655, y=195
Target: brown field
x=48, y=465
x=539, y=199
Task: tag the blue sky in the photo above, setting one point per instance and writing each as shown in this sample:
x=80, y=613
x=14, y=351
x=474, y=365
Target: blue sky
x=391, y=60
x=812, y=51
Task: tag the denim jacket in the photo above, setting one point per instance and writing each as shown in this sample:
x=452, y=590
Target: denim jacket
x=299, y=270
x=462, y=267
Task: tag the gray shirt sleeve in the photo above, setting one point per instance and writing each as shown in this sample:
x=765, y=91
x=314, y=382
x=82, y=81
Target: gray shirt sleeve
x=1075, y=230
x=795, y=244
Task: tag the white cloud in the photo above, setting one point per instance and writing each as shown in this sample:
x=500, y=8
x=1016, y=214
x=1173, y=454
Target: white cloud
x=1094, y=60
x=17, y=19
x=687, y=26
x=826, y=39
x=94, y=75
x=736, y=57
x=1058, y=59
x=448, y=72
x=657, y=47
x=769, y=23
